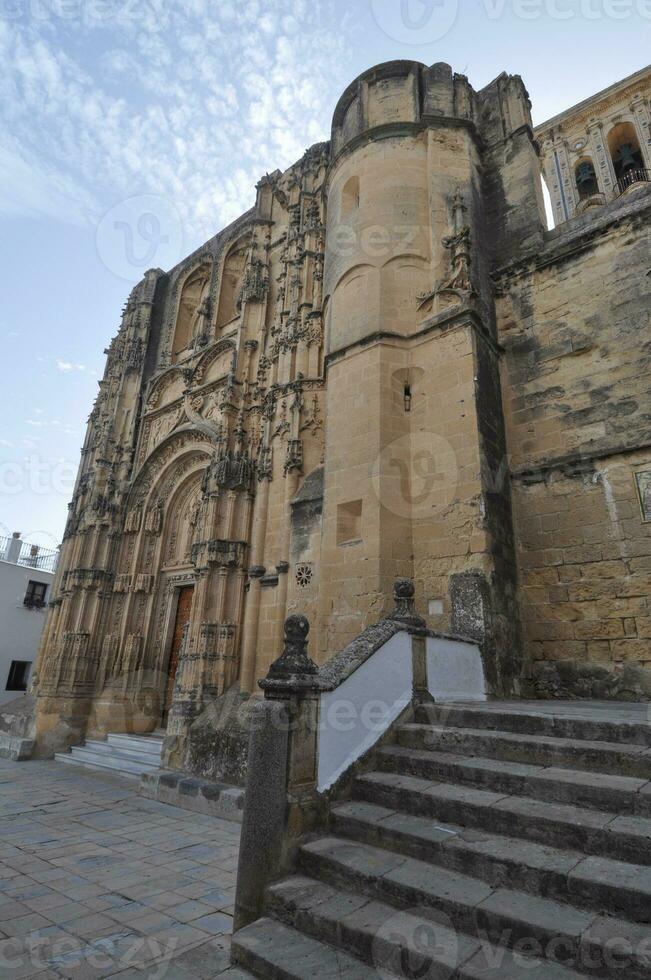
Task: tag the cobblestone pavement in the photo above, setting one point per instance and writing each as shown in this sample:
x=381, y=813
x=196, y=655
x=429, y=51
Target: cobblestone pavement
x=97, y=882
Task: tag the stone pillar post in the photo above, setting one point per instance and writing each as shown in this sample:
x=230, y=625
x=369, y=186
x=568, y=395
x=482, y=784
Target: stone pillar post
x=14, y=545
x=281, y=801
x=250, y=629
x=405, y=614
x=601, y=159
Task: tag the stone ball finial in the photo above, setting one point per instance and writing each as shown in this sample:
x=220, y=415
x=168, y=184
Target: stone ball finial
x=404, y=589
x=405, y=608
x=296, y=629
x=293, y=668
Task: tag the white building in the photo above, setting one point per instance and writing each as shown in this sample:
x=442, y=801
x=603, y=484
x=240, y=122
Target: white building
x=26, y=576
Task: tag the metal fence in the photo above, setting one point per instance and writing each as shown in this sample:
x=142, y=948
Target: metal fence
x=634, y=176
x=31, y=555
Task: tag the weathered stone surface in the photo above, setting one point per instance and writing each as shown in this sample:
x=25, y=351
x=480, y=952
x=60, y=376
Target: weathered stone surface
x=541, y=750
x=264, y=820
x=418, y=873
x=619, y=794
x=286, y=426
x=17, y=724
x=285, y=954
x=200, y=795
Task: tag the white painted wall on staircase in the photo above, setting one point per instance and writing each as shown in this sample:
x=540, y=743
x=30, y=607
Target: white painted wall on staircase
x=358, y=712
x=455, y=671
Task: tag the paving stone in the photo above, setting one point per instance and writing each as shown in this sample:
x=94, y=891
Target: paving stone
x=188, y=911
x=26, y=924
x=91, y=925
x=218, y=923
x=72, y=895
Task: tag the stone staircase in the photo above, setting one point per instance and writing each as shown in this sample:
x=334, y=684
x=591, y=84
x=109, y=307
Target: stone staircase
x=486, y=842
x=127, y=755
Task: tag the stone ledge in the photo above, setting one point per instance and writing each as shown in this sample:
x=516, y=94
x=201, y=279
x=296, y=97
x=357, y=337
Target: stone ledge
x=15, y=748
x=191, y=793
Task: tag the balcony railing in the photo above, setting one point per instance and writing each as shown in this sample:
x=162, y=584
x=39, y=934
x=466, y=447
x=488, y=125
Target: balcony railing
x=29, y=555
x=636, y=175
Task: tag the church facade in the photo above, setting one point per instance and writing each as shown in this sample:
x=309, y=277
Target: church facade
x=387, y=368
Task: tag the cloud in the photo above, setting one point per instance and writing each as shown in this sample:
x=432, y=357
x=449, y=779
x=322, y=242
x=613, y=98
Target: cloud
x=192, y=101
x=67, y=366
x=44, y=423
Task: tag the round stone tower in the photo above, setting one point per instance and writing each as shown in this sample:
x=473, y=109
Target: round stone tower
x=419, y=170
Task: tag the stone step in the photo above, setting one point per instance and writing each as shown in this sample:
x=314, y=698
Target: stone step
x=368, y=929
x=595, y=723
x=140, y=743
x=501, y=861
x=355, y=894
x=80, y=756
x=621, y=838
x=275, y=951
x=108, y=748
x=271, y=950
x=593, y=790
x=69, y=760
x=543, y=750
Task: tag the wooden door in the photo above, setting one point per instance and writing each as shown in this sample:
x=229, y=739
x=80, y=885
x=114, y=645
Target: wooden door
x=183, y=607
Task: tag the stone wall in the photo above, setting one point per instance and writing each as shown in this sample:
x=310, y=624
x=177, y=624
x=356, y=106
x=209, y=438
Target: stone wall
x=574, y=323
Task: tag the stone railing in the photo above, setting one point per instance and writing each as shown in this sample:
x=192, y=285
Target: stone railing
x=315, y=724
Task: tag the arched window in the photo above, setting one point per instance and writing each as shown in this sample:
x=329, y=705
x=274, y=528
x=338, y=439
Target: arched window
x=350, y=197
x=231, y=283
x=191, y=309
x=586, y=179
x=624, y=149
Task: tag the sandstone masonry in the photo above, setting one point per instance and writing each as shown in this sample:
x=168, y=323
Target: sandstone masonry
x=387, y=368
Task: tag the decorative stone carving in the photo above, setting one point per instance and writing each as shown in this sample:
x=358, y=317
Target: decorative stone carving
x=458, y=245
x=144, y=583
x=304, y=575
x=84, y=578
x=222, y=554
x=122, y=583
x=132, y=522
x=294, y=457
x=230, y=471
x=255, y=284
x=154, y=520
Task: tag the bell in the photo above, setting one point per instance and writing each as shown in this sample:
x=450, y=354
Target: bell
x=627, y=156
x=586, y=179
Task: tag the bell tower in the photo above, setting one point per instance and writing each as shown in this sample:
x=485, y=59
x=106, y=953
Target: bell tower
x=416, y=481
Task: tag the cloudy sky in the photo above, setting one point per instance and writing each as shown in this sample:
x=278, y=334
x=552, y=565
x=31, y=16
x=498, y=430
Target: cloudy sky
x=132, y=130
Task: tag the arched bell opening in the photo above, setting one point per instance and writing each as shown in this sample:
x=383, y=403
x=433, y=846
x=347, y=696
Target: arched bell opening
x=586, y=179
x=626, y=153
